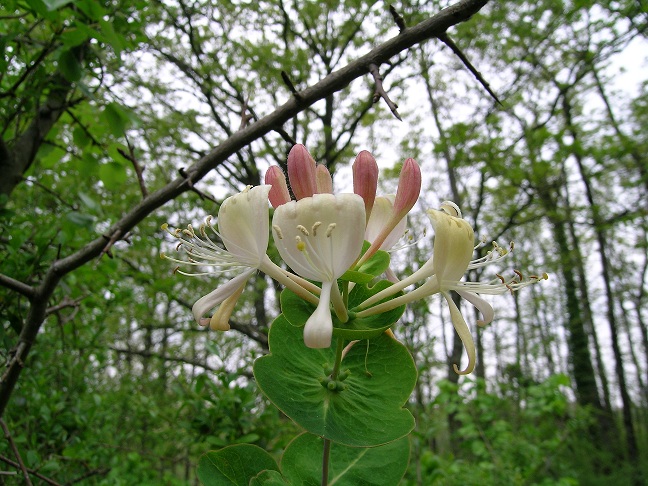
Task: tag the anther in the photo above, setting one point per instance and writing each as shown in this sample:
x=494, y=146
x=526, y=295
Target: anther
x=519, y=274
x=278, y=231
x=330, y=229
x=175, y=270
x=303, y=230
x=316, y=225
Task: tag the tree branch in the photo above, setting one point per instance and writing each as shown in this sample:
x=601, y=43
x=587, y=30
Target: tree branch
x=336, y=81
x=381, y=93
x=445, y=38
x=17, y=286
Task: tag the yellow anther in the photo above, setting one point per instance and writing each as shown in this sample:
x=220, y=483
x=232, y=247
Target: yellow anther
x=330, y=229
x=316, y=225
x=278, y=231
x=303, y=230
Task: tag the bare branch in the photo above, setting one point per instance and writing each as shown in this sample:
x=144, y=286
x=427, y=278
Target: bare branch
x=445, y=38
x=17, y=286
x=380, y=91
x=290, y=85
x=397, y=18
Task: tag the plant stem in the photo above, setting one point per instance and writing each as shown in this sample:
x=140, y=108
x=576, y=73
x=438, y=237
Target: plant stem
x=325, y=461
x=326, y=453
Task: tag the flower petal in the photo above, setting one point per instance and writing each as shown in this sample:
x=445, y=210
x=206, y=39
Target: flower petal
x=381, y=214
x=218, y=295
x=220, y=319
x=482, y=306
x=318, y=330
x=463, y=331
x=243, y=223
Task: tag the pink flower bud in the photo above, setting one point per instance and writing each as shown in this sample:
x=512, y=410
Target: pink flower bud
x=409, y=188
x=279, y=193
x=323, y=180
x=365, y=179
x=301, y=172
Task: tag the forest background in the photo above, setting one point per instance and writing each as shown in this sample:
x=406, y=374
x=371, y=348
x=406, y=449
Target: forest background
x=119, y=116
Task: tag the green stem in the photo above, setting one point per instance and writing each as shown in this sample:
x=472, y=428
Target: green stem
x=326, y=454
x=325, y=461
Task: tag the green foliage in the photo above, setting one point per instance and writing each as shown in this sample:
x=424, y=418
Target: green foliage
x=363, y=409
x=234, y=465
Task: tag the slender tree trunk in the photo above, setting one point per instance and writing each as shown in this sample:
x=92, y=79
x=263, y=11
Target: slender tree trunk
x=601, y=238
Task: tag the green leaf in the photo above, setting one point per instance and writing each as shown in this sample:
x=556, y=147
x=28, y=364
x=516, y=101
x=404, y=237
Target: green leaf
x=70, y=66
x=367, y=412
x=113, y=175
x=268, y=478
x=56, y=4
x=301, y=463
x=80, y=219
x=116, y=118
x=234, y=465
x=297, y=311
x=376, y=265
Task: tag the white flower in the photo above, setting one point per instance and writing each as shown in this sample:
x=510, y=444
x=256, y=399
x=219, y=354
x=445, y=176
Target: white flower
x=243, y=227
x=320, y=237
x=453, y=249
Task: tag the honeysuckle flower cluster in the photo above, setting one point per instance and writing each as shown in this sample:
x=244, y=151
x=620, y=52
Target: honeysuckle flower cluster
x=320, y=236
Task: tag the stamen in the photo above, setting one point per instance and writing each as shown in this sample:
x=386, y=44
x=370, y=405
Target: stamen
x=316, y=225
x=330, y=229
x=303, y=230
x=278, y=231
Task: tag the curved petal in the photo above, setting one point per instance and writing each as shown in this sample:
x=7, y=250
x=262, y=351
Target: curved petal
x=463, y=331
x=320, y=237
x=220, y=319
x=243, y=223
x=318, y=330
x=218, y=295
x=482, y=306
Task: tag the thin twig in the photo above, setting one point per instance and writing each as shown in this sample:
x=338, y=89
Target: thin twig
x=400, y=22
x=12, y=444
x=136, y=165
x=112, y=239
x=31, y=471
x=445, y=38
x=65, y=303
x=89, y=474
x=290, y=85
x=380, y=91
x=245, y=116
